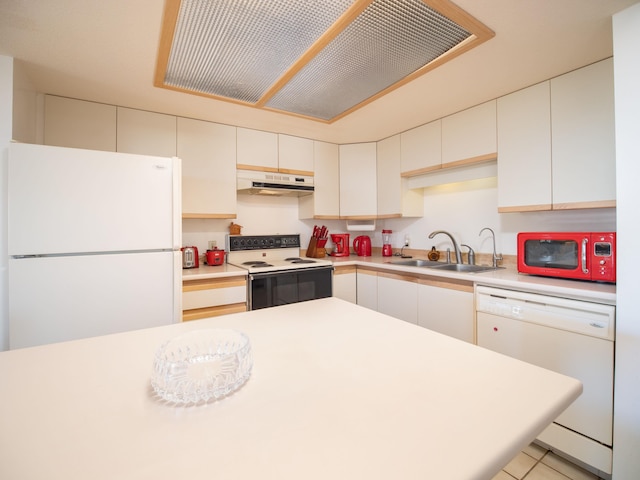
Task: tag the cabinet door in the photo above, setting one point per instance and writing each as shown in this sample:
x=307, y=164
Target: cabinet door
x=367, y=288
x=208, y=152
x=358, y=181
x=295, y=155
x=421, y=149
x=146, y=133
x=325, y=201
x=583, y=147
x=389, y=186
x=257, y=150
x=469, y=136
x=213, y=297
x=344, y=283
x=79, y=124
x=447, y=310
x=524, y=150
x=398, y=297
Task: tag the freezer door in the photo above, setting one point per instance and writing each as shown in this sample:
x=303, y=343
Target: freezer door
x=66, y=200
x=54, y=299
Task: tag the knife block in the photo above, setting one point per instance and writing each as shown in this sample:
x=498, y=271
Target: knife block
x=316, y=248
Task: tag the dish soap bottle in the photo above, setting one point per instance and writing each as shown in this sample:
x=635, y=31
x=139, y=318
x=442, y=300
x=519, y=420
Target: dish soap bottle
x=433, y=255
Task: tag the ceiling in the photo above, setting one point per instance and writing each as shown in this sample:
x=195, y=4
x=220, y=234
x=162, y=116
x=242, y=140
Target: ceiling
x=107, y=51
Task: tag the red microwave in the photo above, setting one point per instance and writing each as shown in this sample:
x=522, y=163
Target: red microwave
x=576, y=255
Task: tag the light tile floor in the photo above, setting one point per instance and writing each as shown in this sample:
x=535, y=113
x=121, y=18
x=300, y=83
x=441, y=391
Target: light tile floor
x=538, y=463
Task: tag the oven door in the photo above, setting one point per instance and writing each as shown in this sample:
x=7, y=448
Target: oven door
x=291, y=286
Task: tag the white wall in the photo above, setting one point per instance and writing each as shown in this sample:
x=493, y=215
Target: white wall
x=463, y=209
x=626, y=441
x=6, y=108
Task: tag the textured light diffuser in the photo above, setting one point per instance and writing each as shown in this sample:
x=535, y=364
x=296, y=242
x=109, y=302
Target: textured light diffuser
x=318, y=59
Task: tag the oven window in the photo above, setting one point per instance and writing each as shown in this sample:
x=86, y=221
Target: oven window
x=282, y=288
x=561, y=254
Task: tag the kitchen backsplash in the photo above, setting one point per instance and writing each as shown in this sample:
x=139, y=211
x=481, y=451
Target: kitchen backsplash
x=462, y=209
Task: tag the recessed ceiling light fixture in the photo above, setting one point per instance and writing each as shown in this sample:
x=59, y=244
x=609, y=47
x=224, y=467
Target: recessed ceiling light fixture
x=316, y=59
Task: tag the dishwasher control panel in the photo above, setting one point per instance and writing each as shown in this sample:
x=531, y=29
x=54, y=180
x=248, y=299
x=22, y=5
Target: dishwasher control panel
x=577, y=316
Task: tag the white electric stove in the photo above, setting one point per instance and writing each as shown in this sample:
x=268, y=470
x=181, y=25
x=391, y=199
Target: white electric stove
x=278, y=275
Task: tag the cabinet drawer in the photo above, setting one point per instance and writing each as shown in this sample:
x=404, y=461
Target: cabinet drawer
x=210, y=293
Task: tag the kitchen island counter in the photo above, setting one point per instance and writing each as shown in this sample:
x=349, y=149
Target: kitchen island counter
x=337, y=391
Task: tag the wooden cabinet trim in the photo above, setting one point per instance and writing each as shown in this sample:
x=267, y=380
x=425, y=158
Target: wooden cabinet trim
x=405, y=277
x=198, y=313
x=525, y=208
x=453, y=284
x=456, y=164
x=344, y=269
x=580, y=205
x=257, y=168
x=212, y=283
x=290, y=171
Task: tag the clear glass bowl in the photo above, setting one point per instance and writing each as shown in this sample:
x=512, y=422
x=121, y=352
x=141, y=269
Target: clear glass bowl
x=201, y=365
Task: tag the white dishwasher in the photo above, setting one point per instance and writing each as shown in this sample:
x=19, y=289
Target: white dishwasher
x=572, y=337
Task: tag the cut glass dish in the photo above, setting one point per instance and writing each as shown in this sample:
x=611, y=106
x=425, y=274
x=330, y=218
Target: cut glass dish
x=201, y=366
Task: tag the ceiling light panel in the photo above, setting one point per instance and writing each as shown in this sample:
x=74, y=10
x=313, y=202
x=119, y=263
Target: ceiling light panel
x=320, y=59
x=388, y=41
x=239, y=48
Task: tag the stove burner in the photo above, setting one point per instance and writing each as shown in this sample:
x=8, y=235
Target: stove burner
x=257, y=264
x=290, y=259
x=300, y=260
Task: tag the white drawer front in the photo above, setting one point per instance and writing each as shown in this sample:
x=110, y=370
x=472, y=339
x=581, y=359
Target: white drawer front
x=213, y=297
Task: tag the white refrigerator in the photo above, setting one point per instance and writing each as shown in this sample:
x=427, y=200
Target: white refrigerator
x=93, y=242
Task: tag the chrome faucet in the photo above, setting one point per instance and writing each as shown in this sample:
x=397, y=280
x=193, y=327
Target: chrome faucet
x=496, y=257
x=472, y=254
x=455, y=245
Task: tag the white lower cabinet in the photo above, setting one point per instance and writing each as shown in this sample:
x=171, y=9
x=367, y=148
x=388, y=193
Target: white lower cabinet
x=213, y=297
x=344, y=283
x=367, y=288
x=398, y=296
x=447, y=307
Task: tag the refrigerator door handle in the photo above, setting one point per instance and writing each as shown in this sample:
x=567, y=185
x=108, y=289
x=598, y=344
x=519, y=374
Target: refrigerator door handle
x=177, y=204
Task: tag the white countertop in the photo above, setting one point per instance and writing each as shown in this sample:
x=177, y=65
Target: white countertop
x=337, y=391
x=504, y=278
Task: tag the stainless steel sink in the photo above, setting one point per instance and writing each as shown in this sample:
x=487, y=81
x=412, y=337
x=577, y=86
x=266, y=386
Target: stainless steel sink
x=416, y=263
x=458, y=267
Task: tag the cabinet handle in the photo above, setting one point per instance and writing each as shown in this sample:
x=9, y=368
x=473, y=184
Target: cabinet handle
x=585, y=241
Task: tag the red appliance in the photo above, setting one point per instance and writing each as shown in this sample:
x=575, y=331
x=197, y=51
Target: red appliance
x=362, y=246
x=340, y=244
x=575, y=255
x=387, y=251
x=190, y=257
x=215, y=257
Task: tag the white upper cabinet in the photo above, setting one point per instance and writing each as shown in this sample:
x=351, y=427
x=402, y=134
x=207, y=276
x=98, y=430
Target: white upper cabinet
x=470, y=136
x=524, y=150
x=556, y=143
x=257, y=150
x=325, y=202
x=393, y=198
x=583, y=146
x=146, y=133
x=421, y=149
x=208, y=152
x=295, y=155
x=358, y=197
x=79, y=124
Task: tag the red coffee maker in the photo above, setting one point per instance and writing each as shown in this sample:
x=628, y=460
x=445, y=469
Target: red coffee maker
x=386, y=243
x=340, y=244
x=362, y=246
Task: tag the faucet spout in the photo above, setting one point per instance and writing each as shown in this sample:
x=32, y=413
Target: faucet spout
x=496, y=257
x=455, y=245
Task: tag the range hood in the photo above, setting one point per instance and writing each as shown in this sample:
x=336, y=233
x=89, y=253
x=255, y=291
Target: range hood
x=274, y=184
